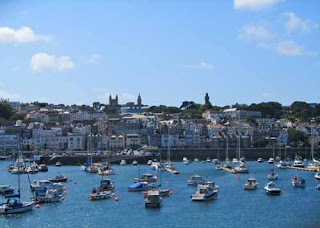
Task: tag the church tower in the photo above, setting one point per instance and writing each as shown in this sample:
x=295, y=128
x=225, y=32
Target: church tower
x=139, y=101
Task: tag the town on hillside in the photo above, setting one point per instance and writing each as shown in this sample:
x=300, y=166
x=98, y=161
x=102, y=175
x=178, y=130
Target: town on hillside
x=40, y=126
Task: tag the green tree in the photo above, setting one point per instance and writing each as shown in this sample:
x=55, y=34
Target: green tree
x=296, y=137
x=5, y=111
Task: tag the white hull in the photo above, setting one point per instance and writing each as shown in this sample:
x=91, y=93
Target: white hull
x=26, y=207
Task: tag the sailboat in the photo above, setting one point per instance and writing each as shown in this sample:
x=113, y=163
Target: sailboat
x=316, y=163
x=170, y=166
x=228, y=164
x=241, y=168
x=14, y=204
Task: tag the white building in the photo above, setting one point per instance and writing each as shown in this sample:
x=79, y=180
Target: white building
x=133, y=140
x=116, y=142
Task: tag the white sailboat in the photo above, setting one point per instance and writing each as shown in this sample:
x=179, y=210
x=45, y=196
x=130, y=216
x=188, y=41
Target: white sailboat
x=241, y=167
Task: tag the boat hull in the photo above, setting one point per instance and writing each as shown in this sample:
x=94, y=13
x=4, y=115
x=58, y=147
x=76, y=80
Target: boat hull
x=24, y=208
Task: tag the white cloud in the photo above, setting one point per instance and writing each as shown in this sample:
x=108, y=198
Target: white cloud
x=254, y=4
x=21, y=35
x=255, y=33
x=288, y=48
x=296, y=24
x=93, y=58
x=42, y=61
x=202, y=66
x=291, y=48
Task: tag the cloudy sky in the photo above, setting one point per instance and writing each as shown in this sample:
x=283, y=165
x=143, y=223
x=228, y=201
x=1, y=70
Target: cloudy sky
x=241, y=51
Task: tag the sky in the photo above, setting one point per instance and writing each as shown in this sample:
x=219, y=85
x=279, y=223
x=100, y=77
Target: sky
x=239, y=51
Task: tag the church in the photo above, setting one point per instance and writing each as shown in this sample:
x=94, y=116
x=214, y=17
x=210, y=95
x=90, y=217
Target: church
x=129, y=107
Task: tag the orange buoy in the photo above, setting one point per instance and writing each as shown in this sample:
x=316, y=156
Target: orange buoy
x=38, y=206
x=113, y=194
x=167, y=182
x=62, y=198
x=65, y=192
x=116, y=199
x=171, y=192
x=156, y=179
x=238, y=177
x=65, y=188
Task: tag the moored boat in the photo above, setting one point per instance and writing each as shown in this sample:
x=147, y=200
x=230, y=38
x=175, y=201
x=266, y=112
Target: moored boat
x=59, y=178
x=146, y=177
x=6, y=189
x=251, y=184
x=272, y=175
x=260, y=160
x=271, y=189
x=195, y=180
x=298, y=181
x=204, y=193
x=153, y=199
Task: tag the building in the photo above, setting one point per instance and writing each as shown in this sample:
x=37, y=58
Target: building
x=116, y=142
x=113, y=101
x=133, y=140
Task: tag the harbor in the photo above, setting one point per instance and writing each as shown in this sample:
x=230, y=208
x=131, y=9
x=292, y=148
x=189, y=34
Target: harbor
x=177, y=208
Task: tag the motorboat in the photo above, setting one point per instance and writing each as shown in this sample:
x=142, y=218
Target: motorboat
x=43, y=168
x=51, y=196
x=204, y=193
x=212, y=185
x=15, y=206
x=216, y=161
x=241, y=168
x=139, y=186
x=59, y=178
x=271, y=189
x=318, y=187
x=40, y=185
x=298, y=181
x=6, y=189
x=272, y=175
x=92, y=169
x=99, y=195
x=171, y=169
x=58, y=164
x=317, y=175
x=196, y=160
x=135, y=162
x=123, y=162
x=106, y=185
x=195, y=180
x=282, y=165
x=153, y=199
x=17, y=170
x=251, y=184
x=184, y=159
x=271, y=160
x=186, y=162
x=260, y=160
x=298, y=163
x=146, y=177
x=235, y=161
x=105, y=170
x=208, y=159
x=149, y=162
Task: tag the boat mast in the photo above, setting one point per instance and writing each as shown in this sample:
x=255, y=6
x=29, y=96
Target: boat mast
x=312, y=144
x=239, y=137
x=227, y=149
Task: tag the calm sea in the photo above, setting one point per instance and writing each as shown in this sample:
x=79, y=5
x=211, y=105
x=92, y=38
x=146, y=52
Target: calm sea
x=233, y=208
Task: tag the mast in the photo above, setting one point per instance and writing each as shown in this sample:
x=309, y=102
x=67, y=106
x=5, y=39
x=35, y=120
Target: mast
x=227, y=149
x=312, y=144
x=239, y=137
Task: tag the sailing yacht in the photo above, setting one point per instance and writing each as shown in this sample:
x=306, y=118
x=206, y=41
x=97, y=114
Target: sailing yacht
x=170, y=166
x=241, y=168
x=14, y=204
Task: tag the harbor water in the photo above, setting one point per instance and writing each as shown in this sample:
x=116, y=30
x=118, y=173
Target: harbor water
x=234, y=207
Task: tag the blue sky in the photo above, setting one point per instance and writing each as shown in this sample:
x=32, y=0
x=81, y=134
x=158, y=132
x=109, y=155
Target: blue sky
x=243, y=51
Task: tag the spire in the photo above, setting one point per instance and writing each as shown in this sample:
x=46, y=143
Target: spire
x=139, y=101
x=206, y=99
